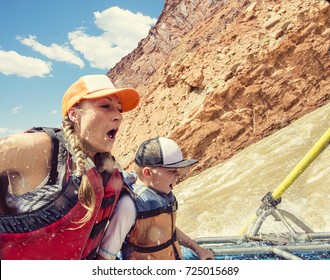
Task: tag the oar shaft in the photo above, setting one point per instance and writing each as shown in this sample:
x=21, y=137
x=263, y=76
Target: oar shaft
x=313, y=153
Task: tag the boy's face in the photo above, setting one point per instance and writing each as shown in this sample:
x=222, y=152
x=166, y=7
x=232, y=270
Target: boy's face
x=163, y=179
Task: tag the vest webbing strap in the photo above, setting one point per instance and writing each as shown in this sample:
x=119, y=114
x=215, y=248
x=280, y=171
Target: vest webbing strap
x=53, y=171
x=98, y=228
x=171, y=208
x=51, y=132
x=107, y=201
x=153, y=248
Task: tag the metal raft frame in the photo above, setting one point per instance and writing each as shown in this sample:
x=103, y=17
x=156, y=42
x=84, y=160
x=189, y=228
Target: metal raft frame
x=292, y=245
x=229, y=248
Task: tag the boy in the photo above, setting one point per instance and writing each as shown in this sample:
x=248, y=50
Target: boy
x=143, y=226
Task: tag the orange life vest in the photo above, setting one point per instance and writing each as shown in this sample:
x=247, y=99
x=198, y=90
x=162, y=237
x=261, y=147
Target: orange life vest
x=153, y=237
x=52, y=231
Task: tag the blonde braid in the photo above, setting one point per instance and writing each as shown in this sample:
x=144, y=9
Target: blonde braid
x=86, y=194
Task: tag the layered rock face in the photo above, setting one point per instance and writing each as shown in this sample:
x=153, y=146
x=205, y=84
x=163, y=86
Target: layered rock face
x=217, y=76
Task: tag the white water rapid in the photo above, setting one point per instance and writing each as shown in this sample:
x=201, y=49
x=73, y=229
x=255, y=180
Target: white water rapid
x=221, y=200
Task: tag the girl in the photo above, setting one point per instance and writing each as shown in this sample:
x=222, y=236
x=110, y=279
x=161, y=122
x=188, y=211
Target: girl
x=59, y=186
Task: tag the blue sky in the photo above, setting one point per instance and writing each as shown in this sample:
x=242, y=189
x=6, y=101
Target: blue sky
x=46, y=45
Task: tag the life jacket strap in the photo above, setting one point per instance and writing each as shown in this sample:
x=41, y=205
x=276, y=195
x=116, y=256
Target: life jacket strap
x=171, y=208
x=98, y=228
x=153, y=249
x=51, y=132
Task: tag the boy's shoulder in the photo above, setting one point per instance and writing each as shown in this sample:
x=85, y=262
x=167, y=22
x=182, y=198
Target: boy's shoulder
x=129, y=177
x=140, y=190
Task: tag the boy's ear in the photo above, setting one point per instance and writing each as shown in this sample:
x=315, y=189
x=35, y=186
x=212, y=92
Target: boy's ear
x=146, y=172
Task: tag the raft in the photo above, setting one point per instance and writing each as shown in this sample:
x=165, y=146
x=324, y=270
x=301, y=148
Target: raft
x=280, y=246
x=297, y=242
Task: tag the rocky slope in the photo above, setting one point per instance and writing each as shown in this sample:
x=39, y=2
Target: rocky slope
x=217, y=76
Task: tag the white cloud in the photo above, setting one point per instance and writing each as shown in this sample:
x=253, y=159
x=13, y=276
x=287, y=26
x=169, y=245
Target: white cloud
x=99, y=51
x=54, y=112
x=122, y=30
x=54, y=51
x=123, y=27
x=13, y=63
x=16, y=109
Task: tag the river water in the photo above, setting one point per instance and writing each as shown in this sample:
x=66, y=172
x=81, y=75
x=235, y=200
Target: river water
x=221, y=200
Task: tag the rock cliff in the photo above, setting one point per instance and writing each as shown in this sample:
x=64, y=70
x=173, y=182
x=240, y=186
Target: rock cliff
x=217, y=75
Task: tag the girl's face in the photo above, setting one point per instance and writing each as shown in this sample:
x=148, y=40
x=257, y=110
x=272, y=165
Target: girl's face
x=163, y=179
x=98, y=121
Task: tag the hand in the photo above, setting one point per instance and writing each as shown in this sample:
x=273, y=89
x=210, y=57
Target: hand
x=205, y=254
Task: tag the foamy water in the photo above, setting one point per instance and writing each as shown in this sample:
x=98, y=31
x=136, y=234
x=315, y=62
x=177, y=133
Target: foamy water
x=221, y=200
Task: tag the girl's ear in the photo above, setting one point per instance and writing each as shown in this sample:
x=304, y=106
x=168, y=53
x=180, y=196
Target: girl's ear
x=72, y=114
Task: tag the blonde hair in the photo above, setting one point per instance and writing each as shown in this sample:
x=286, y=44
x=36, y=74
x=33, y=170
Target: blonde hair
x=86, y=194
x=139, y=171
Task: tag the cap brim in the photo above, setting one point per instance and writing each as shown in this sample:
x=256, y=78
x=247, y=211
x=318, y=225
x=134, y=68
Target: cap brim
x=181, y=164
x=128, y=97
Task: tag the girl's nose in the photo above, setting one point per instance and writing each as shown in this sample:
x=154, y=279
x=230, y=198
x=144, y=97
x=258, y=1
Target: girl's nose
x=117, y=116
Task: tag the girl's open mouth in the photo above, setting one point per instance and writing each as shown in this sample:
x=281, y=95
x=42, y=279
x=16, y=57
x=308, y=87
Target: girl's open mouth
x=112, y=134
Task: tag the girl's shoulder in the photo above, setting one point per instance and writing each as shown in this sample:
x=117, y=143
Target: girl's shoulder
x=16, y=151
x=25, y=141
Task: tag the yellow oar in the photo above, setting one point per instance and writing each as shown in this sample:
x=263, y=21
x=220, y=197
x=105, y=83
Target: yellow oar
x=313, y=153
